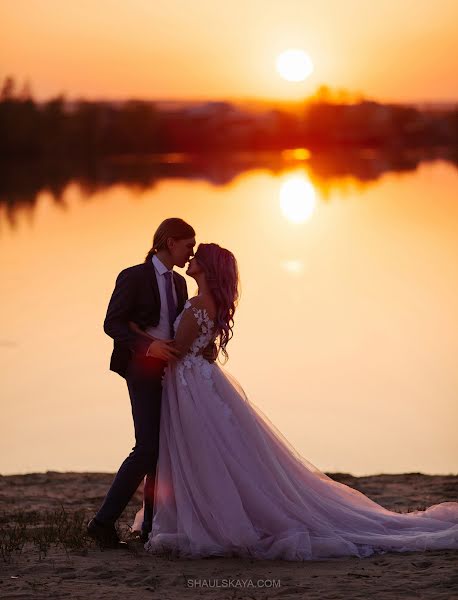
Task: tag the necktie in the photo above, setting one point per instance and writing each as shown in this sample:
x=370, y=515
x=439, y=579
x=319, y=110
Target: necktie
x=172, y=308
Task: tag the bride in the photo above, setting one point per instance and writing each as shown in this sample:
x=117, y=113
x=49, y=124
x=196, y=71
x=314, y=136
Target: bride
x=229, y=484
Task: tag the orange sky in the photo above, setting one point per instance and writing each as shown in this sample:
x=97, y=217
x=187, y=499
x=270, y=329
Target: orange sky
x=391, y=50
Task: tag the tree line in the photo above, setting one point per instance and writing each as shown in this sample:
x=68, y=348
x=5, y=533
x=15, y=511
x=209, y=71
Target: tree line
x=91, y=129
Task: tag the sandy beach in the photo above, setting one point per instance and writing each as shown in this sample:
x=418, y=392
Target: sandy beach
x=66, y=570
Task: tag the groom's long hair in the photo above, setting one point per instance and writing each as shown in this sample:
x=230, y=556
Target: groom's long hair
x=222, y=276
x=170, y=228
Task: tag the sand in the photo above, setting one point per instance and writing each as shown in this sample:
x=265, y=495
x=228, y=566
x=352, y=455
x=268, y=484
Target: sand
x=134, y=574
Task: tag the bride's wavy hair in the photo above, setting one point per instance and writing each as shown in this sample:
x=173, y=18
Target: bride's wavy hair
x=170, y=228
x=222, y=276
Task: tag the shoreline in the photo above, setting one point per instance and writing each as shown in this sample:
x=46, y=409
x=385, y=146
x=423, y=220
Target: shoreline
x=79, y=572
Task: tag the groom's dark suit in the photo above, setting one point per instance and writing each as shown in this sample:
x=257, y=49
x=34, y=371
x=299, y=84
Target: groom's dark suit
x=136, y=298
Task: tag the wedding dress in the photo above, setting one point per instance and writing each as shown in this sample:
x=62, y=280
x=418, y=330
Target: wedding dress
x=229, y=484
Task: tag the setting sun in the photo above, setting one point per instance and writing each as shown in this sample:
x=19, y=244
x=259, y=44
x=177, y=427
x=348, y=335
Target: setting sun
x=294, y=65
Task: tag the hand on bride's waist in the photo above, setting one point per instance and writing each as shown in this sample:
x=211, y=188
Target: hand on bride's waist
x=210, y=352
x=162, y=349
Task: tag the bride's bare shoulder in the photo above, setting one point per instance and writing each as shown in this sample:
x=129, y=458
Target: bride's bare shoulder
x=204, y=301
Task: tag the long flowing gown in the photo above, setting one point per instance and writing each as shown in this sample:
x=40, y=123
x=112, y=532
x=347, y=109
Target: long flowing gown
x=229, y=484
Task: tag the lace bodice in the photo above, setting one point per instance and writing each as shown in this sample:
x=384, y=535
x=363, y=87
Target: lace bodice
x=194, y=358
x=206, y=326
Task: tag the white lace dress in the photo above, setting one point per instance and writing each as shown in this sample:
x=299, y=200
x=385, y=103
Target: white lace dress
x=229, y=484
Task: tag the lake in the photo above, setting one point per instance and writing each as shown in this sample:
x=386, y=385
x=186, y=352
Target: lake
x=346, y=334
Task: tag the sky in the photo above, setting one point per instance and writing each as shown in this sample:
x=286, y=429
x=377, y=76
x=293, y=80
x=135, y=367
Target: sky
x=388, y=50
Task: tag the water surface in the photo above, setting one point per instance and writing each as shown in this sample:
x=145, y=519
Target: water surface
x=346, y=335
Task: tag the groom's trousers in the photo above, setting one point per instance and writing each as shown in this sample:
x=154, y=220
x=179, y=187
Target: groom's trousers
x=144, y=382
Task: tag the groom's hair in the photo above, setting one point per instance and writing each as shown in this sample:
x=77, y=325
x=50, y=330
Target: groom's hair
x=170, y=228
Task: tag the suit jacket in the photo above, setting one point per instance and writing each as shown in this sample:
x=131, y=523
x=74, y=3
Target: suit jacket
x=136, y=298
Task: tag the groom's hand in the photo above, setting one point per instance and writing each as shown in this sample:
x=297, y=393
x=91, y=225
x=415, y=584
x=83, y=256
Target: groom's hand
x=210, y=353
x=162, y=349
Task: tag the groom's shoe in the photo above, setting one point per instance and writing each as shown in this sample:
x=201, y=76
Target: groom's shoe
x=105, y=535
x=144, y=535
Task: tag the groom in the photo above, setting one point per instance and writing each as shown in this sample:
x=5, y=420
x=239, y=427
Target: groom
x=145, y=302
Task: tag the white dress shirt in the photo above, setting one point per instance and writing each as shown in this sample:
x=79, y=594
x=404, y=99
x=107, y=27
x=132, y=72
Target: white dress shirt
x=162, y=330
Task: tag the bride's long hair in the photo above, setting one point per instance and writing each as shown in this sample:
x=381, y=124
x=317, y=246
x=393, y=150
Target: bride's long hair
x=222, y=276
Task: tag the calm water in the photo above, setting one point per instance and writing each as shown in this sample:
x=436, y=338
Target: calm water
x=346, y=335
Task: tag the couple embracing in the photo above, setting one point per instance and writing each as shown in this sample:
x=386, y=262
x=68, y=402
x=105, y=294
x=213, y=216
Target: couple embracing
x=219, y=478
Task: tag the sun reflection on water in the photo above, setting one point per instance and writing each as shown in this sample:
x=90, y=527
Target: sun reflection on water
x=297, y=198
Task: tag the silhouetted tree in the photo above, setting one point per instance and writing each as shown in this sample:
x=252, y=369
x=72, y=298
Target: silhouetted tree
x=8, y=88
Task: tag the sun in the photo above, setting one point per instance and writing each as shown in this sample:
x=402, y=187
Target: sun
x=294, y=65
